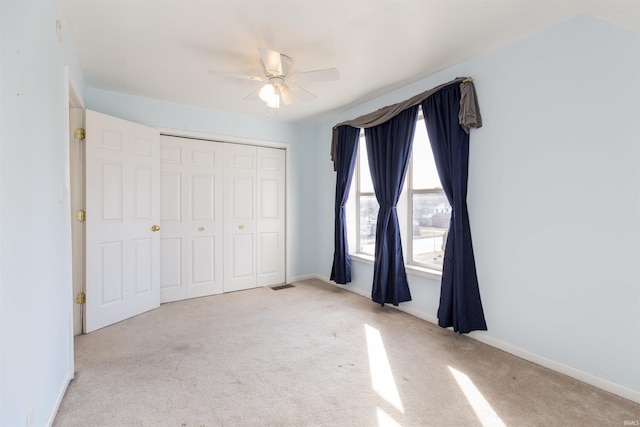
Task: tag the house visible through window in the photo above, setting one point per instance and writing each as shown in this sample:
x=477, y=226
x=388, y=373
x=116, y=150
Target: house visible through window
x=428, y=204
x=427, y=213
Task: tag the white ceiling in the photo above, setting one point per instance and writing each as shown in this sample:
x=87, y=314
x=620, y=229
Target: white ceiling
x=163, y=49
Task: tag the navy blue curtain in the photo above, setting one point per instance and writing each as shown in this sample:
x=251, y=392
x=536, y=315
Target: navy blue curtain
x=347, y=148
x=460, y=304
x=389, y=149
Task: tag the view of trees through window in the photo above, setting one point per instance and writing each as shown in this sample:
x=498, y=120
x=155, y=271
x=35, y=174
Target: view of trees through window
x=428, y=206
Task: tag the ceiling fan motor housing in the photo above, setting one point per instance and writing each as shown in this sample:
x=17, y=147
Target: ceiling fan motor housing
x=276, y=82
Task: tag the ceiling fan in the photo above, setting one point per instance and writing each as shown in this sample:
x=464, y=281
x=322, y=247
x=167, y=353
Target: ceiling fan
x=280, y=85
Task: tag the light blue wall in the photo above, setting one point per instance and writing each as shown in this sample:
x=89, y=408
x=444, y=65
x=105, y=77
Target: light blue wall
x=35, y=275
x=181, y=117
x=554, y=196
x=1, y=207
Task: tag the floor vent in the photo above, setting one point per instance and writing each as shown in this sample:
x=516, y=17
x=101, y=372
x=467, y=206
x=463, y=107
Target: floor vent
x=277, y=288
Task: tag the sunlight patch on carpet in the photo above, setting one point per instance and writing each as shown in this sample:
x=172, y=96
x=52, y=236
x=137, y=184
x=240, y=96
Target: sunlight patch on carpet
x=481, y=407
x=381, y=375
x=385, y=420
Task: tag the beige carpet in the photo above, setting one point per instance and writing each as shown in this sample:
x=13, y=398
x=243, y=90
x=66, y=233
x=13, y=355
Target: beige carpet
x=313, y=355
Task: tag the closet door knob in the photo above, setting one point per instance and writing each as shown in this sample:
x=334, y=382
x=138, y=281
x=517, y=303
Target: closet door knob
x=155, y=228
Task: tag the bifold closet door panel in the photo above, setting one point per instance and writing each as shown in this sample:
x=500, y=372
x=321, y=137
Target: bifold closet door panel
x=222, y=217
x=270, y=262
x=191, y=218
x=239, y=217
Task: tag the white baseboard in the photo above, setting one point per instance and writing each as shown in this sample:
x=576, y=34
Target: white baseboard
x=594, y=380
x=63, y=390
x=309, y=276
x=484, y=337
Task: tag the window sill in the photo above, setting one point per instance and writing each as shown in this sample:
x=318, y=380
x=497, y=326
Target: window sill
x=410, y=269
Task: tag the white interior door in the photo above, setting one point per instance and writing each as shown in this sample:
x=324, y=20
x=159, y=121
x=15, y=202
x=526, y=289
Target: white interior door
x=191, y=218
x=239, y=217
x=270, y=251
x=122, y=205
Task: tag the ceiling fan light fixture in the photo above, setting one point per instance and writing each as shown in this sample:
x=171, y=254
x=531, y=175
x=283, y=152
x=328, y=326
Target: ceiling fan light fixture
x=274, y=102
x=269, y=94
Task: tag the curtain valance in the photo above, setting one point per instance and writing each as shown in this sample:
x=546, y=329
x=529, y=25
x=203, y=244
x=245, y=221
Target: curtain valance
x=469, y=116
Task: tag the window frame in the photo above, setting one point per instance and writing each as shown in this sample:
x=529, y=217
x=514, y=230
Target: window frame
x=405, y=204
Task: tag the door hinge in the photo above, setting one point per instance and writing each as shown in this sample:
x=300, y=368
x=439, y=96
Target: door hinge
x=81, y=216
x=81, y=298
x=80, y=133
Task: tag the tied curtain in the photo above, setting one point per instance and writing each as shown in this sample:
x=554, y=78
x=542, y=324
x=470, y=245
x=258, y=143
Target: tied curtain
x=460, y=304
x=346, y=157
x=389, y=149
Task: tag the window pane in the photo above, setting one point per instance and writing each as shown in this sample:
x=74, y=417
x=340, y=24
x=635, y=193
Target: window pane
x=425, y=174
x=366, y=185
x=431, y=215
x=368, y=218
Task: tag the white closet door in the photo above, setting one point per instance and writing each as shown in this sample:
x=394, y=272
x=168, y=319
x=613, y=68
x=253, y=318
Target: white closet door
x=191, y=218
x=239, y=217
x=271, y=216
x=122, y=205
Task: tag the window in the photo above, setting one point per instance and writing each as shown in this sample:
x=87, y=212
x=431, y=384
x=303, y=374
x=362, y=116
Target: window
x=366, y=202
x=428, y=204
x=427, y=213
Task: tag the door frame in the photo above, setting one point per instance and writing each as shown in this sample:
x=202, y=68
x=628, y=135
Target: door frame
x=256, y=143
x=77, y=202
x=74, y=101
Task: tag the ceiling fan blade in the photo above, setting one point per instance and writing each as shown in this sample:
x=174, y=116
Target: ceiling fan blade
x=325, y=75
x=253, y=95
x=237, y=76
x=286, y=62
x=301, y=94
x=287, y=95
x=271, y=61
